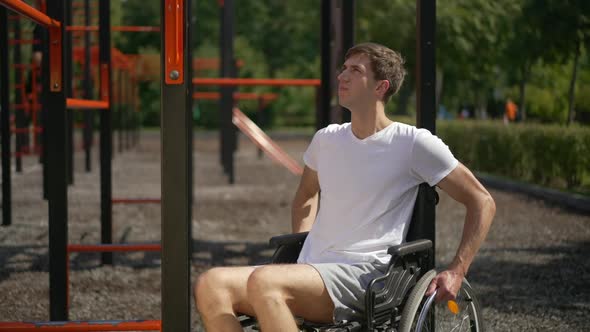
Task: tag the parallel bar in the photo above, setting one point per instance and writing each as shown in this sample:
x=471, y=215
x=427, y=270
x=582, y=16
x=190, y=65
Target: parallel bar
x=106, y=145
x=176, y=110
x=5, y=121
x=82, y=326
x=255, y=81
x=57, y=183
x=114, y=28
x=114, y=247
x=83, y=104
x=24, y=9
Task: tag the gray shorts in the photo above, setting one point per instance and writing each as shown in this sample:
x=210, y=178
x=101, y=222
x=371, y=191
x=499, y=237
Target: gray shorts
x=347, y=284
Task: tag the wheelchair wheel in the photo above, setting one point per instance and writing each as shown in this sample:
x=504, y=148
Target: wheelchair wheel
x=463, y=314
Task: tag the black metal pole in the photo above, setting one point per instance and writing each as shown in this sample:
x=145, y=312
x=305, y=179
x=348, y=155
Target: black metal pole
x=58, y=177
x=176, y=167
x=348, y=28
x=125, y=103
x=425, y=85
x=5, y=120
x=119, y=108
x=325, y=95
x=106, y=139
x=19, y=112
x=228, y=134
x=67, y=53
x=88, y=114
x=45, y=111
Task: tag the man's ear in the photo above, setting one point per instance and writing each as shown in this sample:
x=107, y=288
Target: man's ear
x=382, y=87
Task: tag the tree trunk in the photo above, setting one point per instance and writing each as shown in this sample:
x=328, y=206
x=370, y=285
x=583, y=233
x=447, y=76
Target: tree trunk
x=522, y=91
x=572, y=90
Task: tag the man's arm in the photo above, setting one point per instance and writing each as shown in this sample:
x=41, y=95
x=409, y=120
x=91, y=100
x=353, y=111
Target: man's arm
x=305, y=203
x=462, y=186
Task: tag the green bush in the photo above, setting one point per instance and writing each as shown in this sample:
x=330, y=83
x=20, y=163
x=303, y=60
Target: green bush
x=547, y=155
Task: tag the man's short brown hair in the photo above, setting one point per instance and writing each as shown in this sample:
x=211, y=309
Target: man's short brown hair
x=385, y=63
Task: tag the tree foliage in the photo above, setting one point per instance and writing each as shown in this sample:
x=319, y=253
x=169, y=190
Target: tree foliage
x=486, y=50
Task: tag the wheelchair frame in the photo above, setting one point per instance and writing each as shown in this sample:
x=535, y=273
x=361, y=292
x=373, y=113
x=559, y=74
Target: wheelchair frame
x=385, y=296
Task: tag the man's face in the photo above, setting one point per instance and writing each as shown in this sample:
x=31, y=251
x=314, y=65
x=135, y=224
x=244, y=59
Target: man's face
x=356, y=83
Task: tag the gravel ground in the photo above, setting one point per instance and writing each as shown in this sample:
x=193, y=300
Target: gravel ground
x=532, y=274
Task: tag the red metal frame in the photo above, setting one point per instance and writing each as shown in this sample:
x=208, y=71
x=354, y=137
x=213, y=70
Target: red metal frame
x=79, y=28
x=174, y=42
x=24, y=9
x=79, y=326
x=55, y=53
x=72, y=103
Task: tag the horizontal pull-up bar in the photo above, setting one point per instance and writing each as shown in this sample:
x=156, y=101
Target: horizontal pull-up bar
x=79, y=326
x=115, y=28
x=86, y=104
x=30, y=12
x=256, y=81
x=237, y=95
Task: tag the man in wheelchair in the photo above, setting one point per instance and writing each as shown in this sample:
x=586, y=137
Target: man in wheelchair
x=369, y=173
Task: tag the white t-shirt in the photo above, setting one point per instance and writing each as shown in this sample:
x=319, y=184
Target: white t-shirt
x=368, y=189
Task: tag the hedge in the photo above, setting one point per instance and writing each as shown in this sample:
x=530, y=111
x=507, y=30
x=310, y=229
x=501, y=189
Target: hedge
x=547, y=155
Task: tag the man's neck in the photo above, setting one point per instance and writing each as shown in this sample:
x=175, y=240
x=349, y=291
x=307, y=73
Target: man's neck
x=367, y=121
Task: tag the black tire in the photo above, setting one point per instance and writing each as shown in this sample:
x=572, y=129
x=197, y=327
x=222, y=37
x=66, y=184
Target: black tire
x=417, y=306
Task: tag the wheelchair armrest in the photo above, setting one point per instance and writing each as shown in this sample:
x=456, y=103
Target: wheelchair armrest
x=285, y=239
x=409, y=247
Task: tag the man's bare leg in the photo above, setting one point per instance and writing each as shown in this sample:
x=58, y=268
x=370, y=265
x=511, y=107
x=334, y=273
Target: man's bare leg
x=278, y=292
x=219, y=294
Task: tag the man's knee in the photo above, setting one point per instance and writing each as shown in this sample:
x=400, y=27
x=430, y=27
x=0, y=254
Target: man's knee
x=263, y=284
x=210, y=287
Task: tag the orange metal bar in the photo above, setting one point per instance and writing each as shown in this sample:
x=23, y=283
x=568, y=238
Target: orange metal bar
x=237, y=95
x=256, y=81
x=23, y=41
x=113, y=247
x=55, y=53
x=80, y=326
x=30, y=12
x=86, y=104
x=78, y=28
x=174, y=42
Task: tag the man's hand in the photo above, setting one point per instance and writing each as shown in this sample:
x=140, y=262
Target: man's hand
x=447, y=283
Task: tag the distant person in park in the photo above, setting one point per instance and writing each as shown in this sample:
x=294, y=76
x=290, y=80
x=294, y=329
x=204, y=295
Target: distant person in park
x=368, y=172
x=510, y=111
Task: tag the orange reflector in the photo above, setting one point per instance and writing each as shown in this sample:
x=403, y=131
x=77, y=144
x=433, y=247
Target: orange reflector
x=453, y=307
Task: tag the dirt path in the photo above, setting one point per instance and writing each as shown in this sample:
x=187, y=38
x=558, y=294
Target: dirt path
x=532, y=274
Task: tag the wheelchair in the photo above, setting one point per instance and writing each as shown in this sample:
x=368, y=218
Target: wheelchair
x=395, y=302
